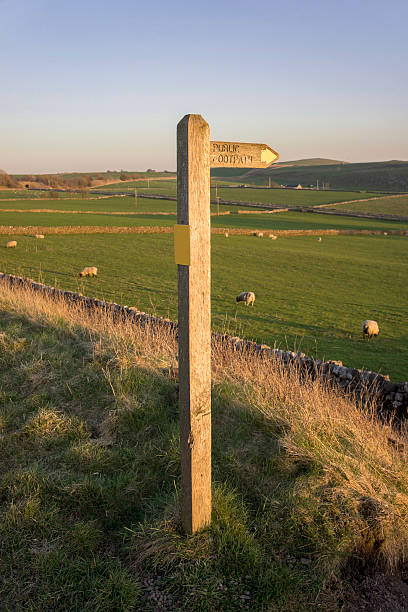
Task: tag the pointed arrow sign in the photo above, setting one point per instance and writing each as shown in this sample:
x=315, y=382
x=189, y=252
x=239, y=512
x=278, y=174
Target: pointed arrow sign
x=241, y=155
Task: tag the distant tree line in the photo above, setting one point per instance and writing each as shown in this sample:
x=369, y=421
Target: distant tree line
x=76, y=181
x=7, y=181
x=82, y=181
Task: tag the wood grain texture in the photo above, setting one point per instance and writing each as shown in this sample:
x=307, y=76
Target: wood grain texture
x=194, y=315
x=241, y=155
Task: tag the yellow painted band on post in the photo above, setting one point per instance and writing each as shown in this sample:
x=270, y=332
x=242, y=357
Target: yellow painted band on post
x=182, y=244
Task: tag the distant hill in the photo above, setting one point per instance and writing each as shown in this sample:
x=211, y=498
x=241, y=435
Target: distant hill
x=313, y=161
x=387, y=176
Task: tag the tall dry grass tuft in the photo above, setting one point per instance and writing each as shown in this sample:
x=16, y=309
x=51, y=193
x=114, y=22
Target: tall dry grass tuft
x=362, y=459
x=357, y=488
x=149, y=345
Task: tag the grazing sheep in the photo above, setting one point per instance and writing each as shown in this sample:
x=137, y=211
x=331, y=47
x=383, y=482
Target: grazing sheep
x=39, y=236
x=89, y=271
x=370, y=328
x=226, y=234
x=246, y=296
x=259, y=234
x=11, y=244
x=272, y=236
x=319, y=239
x=385, y=233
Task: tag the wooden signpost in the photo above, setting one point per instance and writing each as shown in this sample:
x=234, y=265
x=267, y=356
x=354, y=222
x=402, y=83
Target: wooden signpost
x=241, y=155
x=192, y=238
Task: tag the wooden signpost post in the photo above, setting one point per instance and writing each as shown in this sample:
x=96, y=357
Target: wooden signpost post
x=192, y=238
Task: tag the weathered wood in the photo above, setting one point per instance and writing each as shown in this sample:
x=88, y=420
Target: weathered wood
x=241, y=155
x=194, y=315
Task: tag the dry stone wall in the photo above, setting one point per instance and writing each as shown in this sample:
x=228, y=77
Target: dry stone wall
x=362, y=384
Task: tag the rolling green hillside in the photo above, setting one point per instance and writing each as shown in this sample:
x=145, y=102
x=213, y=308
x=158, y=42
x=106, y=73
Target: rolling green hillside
x=377, y=176
x=312, y=161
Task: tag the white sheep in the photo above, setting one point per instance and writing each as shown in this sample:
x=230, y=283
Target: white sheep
x=259, y=234
x=11, y=244
x=370, y=328
x=273, y=237
x=246, y=296
x=226, y=234
x=39, y=236
x=319, y=239
x=89, y=271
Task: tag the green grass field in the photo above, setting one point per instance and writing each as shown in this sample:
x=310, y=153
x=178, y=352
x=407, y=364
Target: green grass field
x=109, y=204
x=72, y=219
x=287, y=197
x=310, y=295
x=387, y=206
x=275, y=221
x=169, y=186
x=25, y=194
x=276, y=197
x=298, y=220
x=15, y=193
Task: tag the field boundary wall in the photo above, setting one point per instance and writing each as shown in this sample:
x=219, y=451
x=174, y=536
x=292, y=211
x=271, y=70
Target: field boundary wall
x=31, y=230
x=360, y=384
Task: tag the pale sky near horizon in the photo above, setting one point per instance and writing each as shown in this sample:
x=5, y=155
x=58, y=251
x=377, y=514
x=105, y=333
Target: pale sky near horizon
x=96, y=85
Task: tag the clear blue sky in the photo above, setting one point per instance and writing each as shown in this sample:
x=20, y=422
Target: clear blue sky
x=96, y=85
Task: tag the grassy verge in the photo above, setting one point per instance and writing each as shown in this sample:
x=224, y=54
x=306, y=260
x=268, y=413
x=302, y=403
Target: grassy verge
x=303, y=481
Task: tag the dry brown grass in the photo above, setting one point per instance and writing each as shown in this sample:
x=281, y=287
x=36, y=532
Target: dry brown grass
x=153, y=345
x=357, y=487
x=362, y=459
